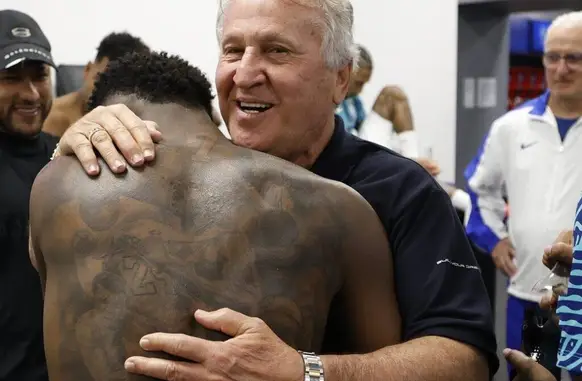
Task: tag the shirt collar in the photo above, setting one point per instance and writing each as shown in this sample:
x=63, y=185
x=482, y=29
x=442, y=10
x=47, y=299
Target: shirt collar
x=539, y=104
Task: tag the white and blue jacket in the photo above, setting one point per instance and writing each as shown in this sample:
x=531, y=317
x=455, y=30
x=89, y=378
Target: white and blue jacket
x=374, y=128
x=524, y=158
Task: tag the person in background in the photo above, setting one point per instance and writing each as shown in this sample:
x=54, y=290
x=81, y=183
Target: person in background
x=69, y=108
x=389, y=122
x=531, y=155
x=25, y=102
x=264, y=47
x=352, y=110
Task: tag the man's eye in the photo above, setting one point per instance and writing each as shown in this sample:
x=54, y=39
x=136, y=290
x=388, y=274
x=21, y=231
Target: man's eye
x=232, y=50
x=573, y=58
x=278, y=50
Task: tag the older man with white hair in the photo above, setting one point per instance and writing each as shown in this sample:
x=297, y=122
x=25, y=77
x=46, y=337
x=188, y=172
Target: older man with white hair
x=284, y=67
x=532, y=156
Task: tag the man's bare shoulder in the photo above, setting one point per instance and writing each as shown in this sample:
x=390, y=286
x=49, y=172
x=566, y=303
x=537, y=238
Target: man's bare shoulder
x=53, y=177
x=298, y=178
x=64, y=180
x=64, y=112
x=314, y=194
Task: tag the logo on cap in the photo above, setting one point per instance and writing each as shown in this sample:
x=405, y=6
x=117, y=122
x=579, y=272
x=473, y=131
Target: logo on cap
x=21, y=32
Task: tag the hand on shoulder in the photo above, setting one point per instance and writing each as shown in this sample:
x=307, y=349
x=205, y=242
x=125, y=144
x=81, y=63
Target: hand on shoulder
x=116, y=133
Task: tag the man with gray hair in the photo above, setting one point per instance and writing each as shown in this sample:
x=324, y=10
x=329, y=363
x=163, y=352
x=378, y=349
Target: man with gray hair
x=284, y=67
x=531, y=154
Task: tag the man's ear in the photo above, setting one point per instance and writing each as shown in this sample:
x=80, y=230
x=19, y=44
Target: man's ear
x=342, y=83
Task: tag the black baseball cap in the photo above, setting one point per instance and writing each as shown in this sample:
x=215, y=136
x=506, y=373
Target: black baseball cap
x=22, y=39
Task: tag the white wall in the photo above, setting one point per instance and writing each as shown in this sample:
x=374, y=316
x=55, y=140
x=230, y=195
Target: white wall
x=413, y=43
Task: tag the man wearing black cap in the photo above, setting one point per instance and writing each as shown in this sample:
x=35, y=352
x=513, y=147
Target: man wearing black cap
x=25, y=101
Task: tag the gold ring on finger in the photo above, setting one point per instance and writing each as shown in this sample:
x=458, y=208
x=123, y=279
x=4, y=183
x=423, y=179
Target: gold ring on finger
x=93, y=131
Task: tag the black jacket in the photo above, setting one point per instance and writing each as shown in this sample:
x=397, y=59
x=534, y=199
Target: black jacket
x=21, y=341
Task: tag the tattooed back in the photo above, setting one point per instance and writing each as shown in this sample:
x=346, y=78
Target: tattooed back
x=208, y=225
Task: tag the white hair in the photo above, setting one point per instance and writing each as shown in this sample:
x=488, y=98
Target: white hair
x=338, y=48
x=565, y=21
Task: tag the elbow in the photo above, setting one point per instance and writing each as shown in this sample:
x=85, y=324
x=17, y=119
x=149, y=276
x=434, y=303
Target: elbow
x=481, y=371
x=472, y=362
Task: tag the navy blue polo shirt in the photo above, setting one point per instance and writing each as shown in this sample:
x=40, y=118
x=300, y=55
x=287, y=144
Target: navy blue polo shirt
x=438, y=283
x=21, y=303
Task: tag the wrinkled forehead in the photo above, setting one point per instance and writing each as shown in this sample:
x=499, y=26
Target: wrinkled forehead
x=564, y=39
x=287, y=18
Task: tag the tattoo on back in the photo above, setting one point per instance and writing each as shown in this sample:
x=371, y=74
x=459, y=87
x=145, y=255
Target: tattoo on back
x=141, y=254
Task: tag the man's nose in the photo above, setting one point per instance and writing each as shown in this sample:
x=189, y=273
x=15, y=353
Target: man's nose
x=562, y=67
x=250, y=71
x=29, y=91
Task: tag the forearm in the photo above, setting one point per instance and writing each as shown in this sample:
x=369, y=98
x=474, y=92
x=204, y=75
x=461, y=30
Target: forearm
x=402, y=120
x=424, y=359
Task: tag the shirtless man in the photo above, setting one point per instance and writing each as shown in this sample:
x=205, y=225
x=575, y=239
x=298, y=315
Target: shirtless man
x=121, y=256
x=68, y=108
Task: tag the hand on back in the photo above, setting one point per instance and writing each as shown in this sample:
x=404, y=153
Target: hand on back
x=116, y=133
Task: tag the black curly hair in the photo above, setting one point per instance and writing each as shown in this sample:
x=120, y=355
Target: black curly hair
x=116, y=45
x=155, y=77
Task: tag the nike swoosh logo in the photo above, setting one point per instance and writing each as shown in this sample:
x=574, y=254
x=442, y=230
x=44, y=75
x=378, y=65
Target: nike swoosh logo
x=524, y=145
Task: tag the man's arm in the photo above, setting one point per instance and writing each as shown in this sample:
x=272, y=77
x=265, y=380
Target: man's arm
x=401, y=115
x=36, y=207
x=56, y=123
x=485, y=225
x=37, y=261
x=426, y=359
x=446, y=314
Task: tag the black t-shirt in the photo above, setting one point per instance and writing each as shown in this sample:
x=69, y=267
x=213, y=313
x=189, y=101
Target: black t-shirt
x=21, y=342
x=439, y=287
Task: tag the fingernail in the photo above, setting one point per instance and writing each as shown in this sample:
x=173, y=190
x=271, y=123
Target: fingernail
x=129, y=365
x=144, y=343
x=93, y=169
x=118, y=164
x=200, y=314
x=137, y=158
x=506, y=351
x=148, y=154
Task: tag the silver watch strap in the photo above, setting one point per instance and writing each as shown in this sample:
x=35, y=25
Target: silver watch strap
x=313, y=366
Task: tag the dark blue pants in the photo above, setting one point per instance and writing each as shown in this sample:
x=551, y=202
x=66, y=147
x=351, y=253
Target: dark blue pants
x=515, y=315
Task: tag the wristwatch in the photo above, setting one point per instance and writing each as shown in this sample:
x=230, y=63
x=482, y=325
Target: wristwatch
x=313, y=366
